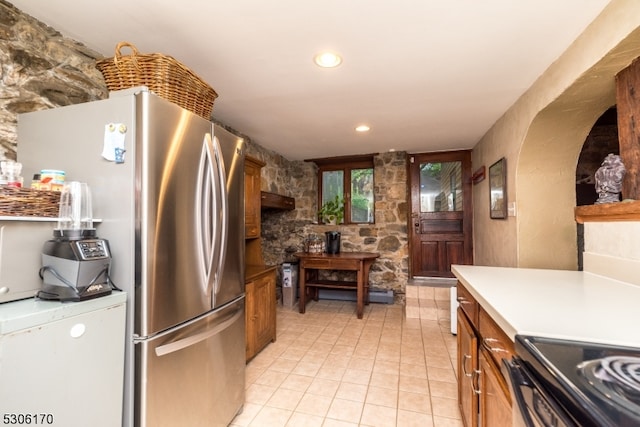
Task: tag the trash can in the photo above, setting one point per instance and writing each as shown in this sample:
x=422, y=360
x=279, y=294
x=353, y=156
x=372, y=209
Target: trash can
x=333, y=242
x=289, y=284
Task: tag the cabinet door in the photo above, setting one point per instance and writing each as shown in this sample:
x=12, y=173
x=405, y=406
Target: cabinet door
x=495, y=404
x=252, y=199
x=260, y=313
x=250, y=315
x=265, y=319
x=467, y=371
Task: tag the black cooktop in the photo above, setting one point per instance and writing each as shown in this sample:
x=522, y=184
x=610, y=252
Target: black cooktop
x=597, y=384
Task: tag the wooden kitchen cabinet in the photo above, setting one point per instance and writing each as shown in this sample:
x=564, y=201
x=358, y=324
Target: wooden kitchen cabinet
x=494, y=405
x=260, y=311
x=252, y=197
x=483, y=394
x=260, y=279
x=467, y=370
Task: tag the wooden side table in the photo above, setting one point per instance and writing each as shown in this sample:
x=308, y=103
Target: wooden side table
x=360, y=262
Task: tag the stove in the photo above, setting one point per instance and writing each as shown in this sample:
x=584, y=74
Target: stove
x=558, y=382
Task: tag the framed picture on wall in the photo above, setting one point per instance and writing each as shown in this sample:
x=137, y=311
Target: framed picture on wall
x=498, y=189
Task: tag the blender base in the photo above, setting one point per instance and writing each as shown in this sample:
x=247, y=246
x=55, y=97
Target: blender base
x=65, y=293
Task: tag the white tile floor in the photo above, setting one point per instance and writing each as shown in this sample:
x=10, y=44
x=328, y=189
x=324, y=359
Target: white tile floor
x=394, y=367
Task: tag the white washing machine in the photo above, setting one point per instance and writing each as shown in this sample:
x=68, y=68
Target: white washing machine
x=63, y=363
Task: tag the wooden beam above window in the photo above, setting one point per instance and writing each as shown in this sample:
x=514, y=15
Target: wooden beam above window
x=359, y=158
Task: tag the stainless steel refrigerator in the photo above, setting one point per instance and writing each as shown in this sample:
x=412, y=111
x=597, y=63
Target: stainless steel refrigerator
x=167, y=190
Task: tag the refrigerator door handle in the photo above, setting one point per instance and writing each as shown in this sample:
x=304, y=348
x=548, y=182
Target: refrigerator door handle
x=207, y=217
x=224, y=214
x=194, y=339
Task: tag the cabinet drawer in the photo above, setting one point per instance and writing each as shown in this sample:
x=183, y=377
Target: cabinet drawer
x=468, y=304
x=494, y=340
x=331, y=264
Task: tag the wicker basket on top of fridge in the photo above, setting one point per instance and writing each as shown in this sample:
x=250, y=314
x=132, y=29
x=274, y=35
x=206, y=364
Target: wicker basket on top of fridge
x=162, y=74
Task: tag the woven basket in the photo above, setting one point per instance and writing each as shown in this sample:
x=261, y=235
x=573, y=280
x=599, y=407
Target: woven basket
x=28, y=202
x=162, y=74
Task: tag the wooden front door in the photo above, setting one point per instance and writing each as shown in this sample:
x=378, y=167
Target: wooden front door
x=440, y=227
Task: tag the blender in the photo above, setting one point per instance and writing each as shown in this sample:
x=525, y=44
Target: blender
x=75, y=263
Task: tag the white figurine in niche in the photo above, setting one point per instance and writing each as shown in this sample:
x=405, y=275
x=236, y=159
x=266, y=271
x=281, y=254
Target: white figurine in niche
x=609, y=179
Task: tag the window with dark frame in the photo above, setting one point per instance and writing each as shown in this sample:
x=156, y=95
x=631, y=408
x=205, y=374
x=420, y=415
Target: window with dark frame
x=351, y=179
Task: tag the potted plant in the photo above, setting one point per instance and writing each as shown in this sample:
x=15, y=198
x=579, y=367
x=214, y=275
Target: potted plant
x=332, y=211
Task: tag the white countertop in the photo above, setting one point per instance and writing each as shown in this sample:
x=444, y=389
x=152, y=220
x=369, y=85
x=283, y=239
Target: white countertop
x=556, y=303
x=32, y=312
x=35, y=218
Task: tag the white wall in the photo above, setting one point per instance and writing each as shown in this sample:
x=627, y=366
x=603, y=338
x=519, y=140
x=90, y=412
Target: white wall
x=612, y=249
x=541, y=136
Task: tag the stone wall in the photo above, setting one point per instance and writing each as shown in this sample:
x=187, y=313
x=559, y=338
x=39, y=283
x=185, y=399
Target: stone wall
x=40, y=69
x=283, y=232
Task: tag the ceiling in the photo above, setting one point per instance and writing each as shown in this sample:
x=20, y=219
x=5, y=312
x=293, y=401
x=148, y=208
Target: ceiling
x=425, y=75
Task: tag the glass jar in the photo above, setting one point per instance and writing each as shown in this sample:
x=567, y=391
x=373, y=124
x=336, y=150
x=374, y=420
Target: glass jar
x=35, y=182
x=11, y=173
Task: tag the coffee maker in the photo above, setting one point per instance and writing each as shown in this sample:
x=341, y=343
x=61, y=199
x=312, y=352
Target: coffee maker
x=75, y=263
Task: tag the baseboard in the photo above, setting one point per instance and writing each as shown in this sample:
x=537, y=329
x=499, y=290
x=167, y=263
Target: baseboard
x=383, y=296
x=434, y=282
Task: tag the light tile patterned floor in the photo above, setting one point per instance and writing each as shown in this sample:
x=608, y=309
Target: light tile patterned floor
x=329, y=369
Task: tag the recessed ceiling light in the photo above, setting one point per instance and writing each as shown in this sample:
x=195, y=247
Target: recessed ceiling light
x=327, y=59
x=363, y=128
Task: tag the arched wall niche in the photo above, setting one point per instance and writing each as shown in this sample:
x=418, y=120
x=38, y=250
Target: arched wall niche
x=546, y=164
